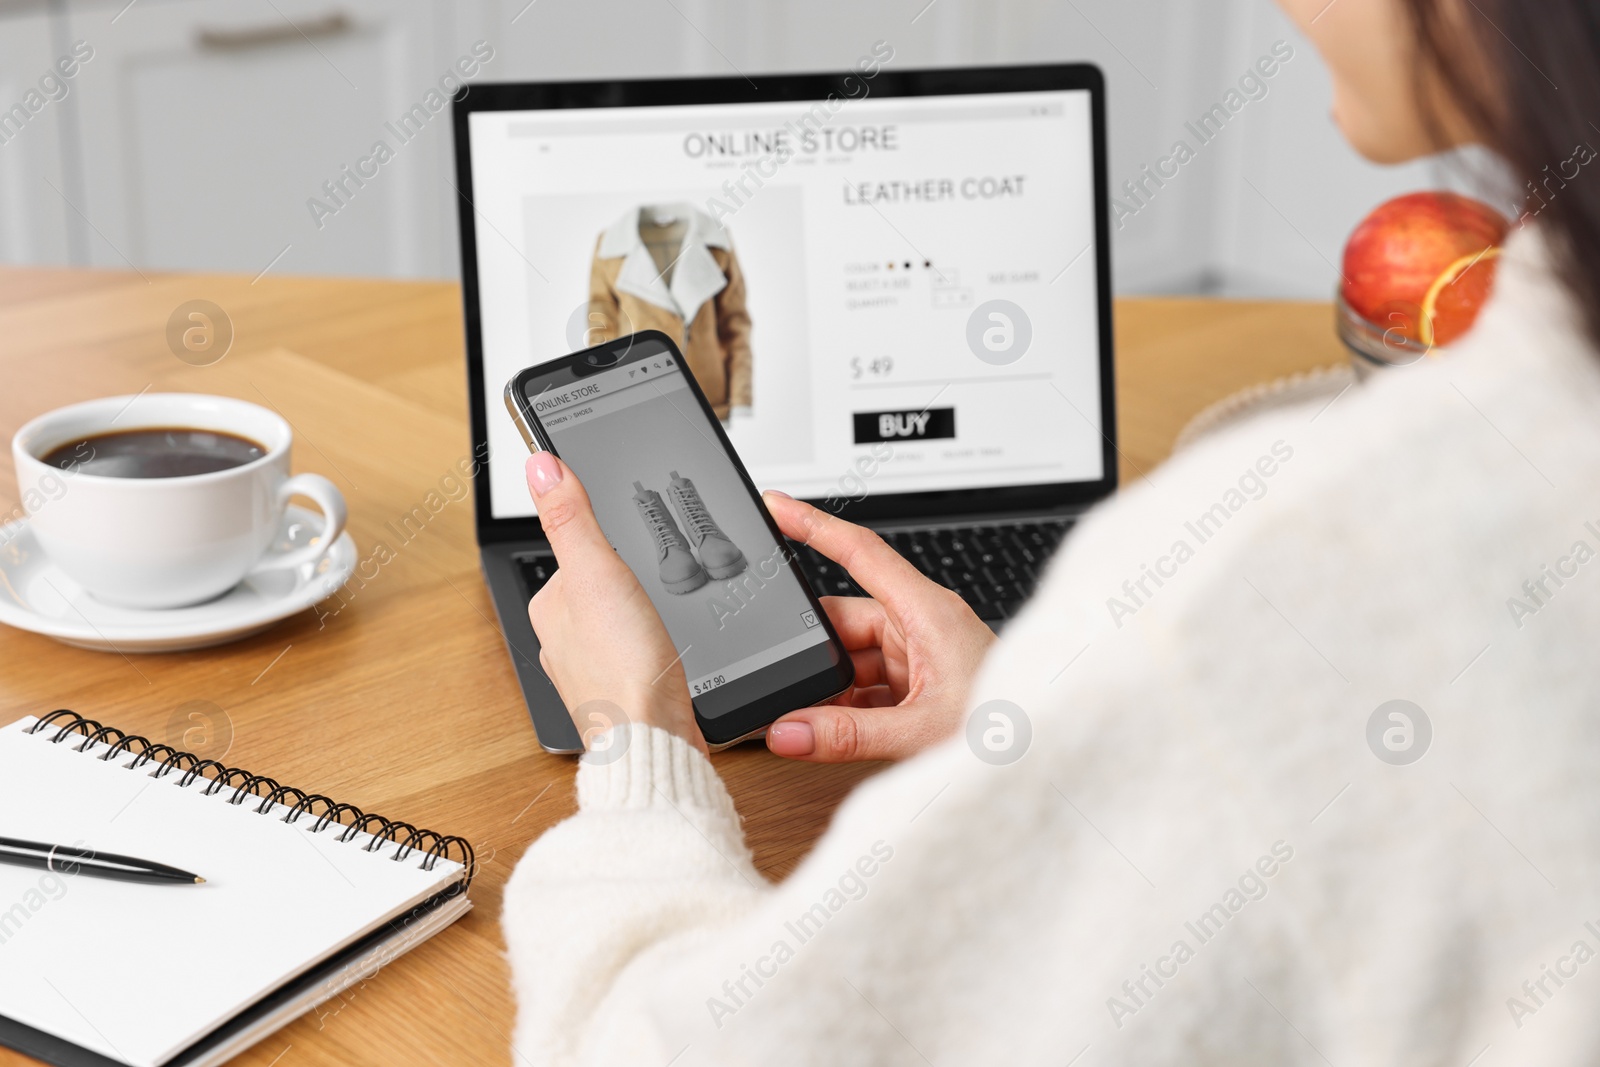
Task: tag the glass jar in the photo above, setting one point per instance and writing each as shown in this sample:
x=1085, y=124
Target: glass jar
x=1372, y=347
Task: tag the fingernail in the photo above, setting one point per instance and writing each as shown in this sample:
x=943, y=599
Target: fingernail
x=791, y=738
x=544, y=472
x=779, y=492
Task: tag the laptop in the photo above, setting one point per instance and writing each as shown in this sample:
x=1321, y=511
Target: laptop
x=893, y=286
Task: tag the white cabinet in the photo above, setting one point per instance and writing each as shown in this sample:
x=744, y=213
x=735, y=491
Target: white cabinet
x=37, y=102
x=213, y=129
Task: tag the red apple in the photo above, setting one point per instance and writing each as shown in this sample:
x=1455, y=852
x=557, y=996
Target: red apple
x=1423, y=265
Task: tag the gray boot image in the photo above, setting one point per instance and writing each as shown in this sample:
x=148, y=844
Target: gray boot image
x=721, y=556
x=680, y=571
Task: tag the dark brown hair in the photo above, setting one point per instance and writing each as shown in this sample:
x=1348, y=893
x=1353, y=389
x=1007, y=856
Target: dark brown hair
x=1525, y=74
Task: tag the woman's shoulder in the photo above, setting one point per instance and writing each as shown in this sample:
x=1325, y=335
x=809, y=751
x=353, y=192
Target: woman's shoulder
x=1432, y=535
x=1475, y=461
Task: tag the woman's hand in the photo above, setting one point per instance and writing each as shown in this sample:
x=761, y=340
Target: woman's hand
x=916, y=646
x=601, y=641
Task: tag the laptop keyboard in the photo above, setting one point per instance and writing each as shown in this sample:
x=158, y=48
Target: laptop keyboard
x=995, y=568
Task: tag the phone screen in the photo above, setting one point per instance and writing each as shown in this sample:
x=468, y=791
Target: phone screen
x=672, y=502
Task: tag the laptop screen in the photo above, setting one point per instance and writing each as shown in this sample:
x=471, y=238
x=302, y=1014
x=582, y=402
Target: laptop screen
x=877, y=296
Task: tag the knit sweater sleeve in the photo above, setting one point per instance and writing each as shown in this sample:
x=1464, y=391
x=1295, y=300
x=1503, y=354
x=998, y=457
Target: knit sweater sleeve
x=655, y=849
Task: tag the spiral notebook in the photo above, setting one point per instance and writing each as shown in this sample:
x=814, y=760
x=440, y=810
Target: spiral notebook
x=303, y=899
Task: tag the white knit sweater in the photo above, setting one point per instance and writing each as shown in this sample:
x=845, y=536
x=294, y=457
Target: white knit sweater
x=1199, y=859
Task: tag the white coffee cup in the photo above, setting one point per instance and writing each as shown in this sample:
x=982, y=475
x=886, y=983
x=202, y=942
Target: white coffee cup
x=166, y=542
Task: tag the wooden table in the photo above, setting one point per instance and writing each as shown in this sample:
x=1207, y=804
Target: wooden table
x=399, y=697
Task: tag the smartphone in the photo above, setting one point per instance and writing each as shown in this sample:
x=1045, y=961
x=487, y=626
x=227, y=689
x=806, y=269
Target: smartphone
x=675, y=502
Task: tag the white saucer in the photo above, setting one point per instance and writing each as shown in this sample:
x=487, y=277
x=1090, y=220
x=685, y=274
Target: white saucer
x=35, y=595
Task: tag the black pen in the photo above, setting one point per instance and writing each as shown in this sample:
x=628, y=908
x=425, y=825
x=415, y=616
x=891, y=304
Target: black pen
x=64, y=859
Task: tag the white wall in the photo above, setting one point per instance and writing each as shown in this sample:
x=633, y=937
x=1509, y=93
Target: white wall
x=172, y=152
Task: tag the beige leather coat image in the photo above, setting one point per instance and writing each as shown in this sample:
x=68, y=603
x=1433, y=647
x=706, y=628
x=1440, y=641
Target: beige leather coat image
x=672, y=268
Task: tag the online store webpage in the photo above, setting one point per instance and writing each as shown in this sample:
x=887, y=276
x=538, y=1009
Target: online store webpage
x=912, y=279
x=678, y=515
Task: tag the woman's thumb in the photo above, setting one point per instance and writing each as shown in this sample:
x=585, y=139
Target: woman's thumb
x=834, y=733
x=564, y=510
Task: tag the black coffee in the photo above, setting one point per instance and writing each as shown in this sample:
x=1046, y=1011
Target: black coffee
x=155, y=452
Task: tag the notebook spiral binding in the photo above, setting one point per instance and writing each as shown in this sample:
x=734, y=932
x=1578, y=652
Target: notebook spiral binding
x=246, y=789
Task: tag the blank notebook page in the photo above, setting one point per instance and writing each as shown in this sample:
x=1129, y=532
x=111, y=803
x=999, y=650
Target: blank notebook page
x=139, y=972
